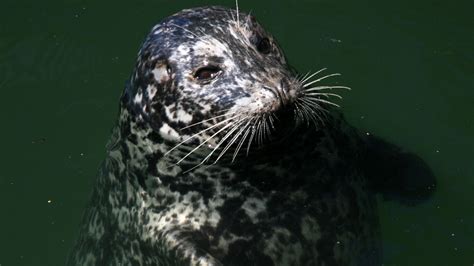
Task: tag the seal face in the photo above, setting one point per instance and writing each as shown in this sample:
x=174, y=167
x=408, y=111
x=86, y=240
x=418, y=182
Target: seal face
x=224, y=156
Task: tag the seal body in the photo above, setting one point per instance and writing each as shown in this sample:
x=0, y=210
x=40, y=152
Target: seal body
x=222, y=155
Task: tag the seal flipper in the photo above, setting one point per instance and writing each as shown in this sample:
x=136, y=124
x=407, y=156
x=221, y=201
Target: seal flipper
x=397, y=174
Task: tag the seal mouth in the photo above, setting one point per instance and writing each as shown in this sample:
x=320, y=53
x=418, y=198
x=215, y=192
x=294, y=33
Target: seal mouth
x=230, y=133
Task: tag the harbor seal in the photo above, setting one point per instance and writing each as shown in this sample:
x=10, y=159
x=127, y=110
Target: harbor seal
x=223, y=155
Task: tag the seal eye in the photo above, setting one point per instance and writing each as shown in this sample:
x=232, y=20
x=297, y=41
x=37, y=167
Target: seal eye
x=264, y=46
x=207, y=73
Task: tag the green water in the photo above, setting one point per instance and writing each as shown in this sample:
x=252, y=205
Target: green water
x=63, y=66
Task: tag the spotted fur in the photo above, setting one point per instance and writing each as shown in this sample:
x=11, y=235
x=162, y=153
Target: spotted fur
x=299, y=197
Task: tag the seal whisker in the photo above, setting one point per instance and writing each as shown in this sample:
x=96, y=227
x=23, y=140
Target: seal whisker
x=237, y=11
x=298, y=112
x=318, y=88
x=300, y=77
x=200, y=132
x=230, y=14
x=324, y=94
x=224, y=110
x=252, y=136
x=204, y=142
x=312, y=75
x=227, y=135
x=322, y=100
x=321, y=78
x=311, y=117
x=257, y=131
x=312, y=109
x=312, y=104
x=271, y=118
x=206, y=120
x=316, y=118
x=266, y=127
x=306, y=113
x=260, y=132
x=248, y=19
x=232, y=141
x=242, y=140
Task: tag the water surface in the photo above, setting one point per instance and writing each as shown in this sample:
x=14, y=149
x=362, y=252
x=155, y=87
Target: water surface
x=63, y=66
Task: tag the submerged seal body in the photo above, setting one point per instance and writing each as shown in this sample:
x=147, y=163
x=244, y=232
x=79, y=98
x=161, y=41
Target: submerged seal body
x=222, y=155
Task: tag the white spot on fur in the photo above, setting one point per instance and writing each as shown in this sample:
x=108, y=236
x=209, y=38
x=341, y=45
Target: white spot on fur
x=160, y=74
x=184, y=116
x=138, y=98
x=168, y=133
x=151, y=90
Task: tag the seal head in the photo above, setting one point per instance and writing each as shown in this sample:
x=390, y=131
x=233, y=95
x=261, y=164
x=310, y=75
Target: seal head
x=209, y=63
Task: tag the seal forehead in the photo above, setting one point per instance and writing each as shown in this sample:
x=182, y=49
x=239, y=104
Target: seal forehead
x=205, y=23
x=213, y=45
x=202, y=52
